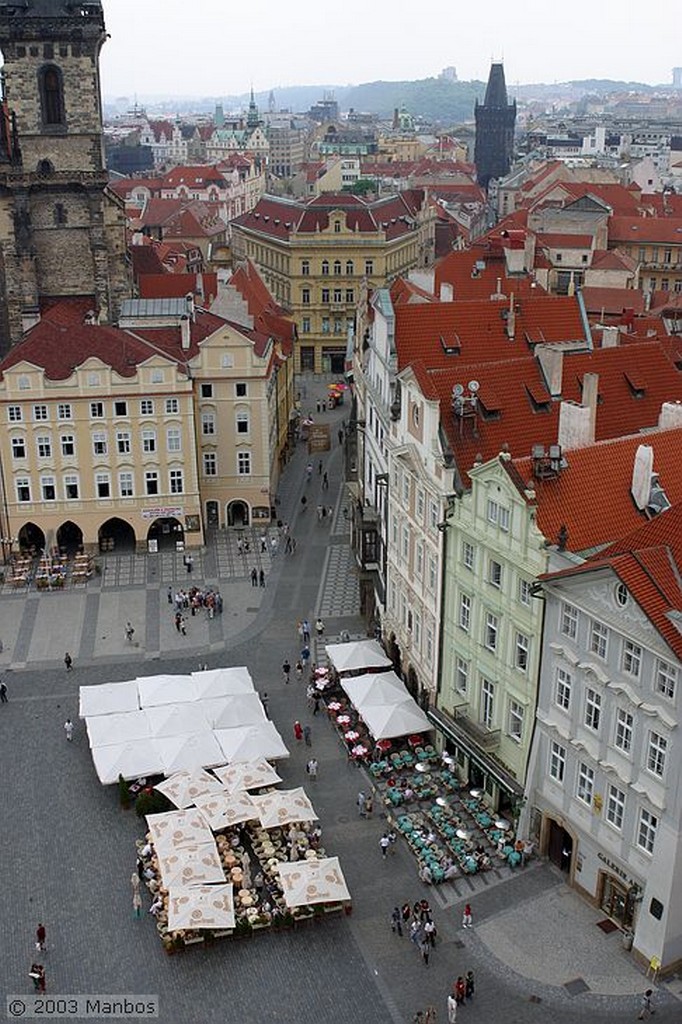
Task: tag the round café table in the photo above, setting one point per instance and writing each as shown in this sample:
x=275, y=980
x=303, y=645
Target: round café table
x=351, y=735
x=343, y=720
x=384, y=745
x=359, y=751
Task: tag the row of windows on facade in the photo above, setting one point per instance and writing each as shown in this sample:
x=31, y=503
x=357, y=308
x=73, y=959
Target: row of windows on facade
x=336, y=268
x=599, y=640
x=647, y=821
x=328, y=326
x=120, y=408
x=126, y=481
x=488, y=699
x=492, y=633
x=339, y=296
x=422, y=640
x=71, y=489
x=123, y=440
x=622, y=730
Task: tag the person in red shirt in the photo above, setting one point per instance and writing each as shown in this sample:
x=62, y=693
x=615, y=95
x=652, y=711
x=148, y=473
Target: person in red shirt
x=40, y=938
x=298, y=731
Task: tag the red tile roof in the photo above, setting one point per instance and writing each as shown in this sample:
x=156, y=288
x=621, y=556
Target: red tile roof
x=404, y=291
x=649, y=562
x=596, y=506
x=562, y=240
x=200, y=176
x=643, y=230
x=268, y=317
x=613, y=301
x=145, y=260
x=204, y=287
x=457, y=269
x=612, y=259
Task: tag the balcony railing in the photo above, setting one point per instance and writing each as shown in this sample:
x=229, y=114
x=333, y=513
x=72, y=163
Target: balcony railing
x=486, y=739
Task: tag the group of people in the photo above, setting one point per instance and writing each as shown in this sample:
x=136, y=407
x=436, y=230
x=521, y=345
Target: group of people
x=194, y=599
x=462, y=992
x=37, y=971
x=418, y=921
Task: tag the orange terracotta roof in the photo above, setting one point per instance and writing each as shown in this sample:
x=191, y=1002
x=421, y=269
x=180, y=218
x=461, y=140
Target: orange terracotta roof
x=612, y=259
x=175, y=286
x=613, y=301
x=596, y=506
x=643, y=230
x=457, y=269
x=562, y=240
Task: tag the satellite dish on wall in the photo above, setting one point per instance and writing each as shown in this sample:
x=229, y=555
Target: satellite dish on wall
x=458, y=391
x=473, y=386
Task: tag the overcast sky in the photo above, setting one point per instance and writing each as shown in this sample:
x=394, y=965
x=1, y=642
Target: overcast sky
x=212, y=48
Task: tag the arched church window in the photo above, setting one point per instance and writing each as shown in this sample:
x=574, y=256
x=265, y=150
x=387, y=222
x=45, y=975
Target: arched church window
x=51, y=95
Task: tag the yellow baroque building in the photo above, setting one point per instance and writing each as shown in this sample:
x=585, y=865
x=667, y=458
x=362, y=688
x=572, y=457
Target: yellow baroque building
x=317, y=257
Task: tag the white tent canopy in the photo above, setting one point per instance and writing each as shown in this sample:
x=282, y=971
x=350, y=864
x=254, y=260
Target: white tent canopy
x=247, y=775
x=176, y=719
x=284, y=806
x=108, y=699
x=185, y=786
x=201, y=906
x=371, y=689
x=387, y=721
x=173, y=830
x=131, y=760
x=124, y=727
x=164, y=689
x=233, y=710
x=357, y=656
x=307, y=882
x=191, y=865
x=223, y=809
x=222, y=682
x=199, y=750
x=250, y=742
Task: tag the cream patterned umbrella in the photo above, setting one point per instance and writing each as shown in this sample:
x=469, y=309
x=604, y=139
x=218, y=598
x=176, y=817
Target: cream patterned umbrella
x=175, y=829
x=247, y=775
x=201, y=906
x=284, y=806
x=191, y=865
x=223, y=809
x=313, y=881
x=184, y=787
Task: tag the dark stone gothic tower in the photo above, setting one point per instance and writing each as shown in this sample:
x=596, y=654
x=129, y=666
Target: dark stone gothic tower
x=495, y=120
x=61, y=230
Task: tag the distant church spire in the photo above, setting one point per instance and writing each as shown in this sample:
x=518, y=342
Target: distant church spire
x=253, y=117
x=495, y=121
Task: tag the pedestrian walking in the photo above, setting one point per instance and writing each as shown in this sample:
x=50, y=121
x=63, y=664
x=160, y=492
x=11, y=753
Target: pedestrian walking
x=306, y=631
x=3, y=693
x=137, y=904
x=68, y=661
x=183, y=625
x=307, y=735
x=169, y=595
x=430, y=932
x=396, y=922
x=305, y=655
x=304, y=503
x=647, y=1008
x=319, y=628
x=293, y=545
x=254, y=577
x=265, y=701
x=37, y=976
x=299, y=670
x=263, y=544
x=325, y=482
x=316, y=703
x=406, y=912
x=369, y=807
x=340, y=437
x=261, y=578
x=130, y=632
x=286, y=670
x=319, y=468
x=311, y=768
x=384, y=844
x=460, y=991
x=361, y=802
x=467, y=917
x=308, y=472
x=40, y=938
x=287, y=545
x=425, y=950
x=469, y=985
x=68, y=729
x=452, y=1009
x=415, y=932
x=135, y=880
x=298, y=731
x=178, y=620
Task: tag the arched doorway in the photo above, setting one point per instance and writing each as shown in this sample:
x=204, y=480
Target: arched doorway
x=166, y=531
x=116, y=535
x=212, y=514
x=559, y=846
x=31, y=538
x=237, y=514
x=69, y=537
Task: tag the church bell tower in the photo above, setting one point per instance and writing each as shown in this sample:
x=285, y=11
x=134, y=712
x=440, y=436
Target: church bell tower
x=61, y=230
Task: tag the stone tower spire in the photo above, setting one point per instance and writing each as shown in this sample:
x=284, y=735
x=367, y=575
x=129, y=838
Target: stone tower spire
x=495, y=121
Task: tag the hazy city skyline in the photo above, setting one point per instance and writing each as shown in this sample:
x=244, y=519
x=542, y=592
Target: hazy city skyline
x=160, y=49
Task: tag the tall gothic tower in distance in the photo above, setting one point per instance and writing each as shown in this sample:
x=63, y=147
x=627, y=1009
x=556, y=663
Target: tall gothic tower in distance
x=61, y=230
x=495, y=120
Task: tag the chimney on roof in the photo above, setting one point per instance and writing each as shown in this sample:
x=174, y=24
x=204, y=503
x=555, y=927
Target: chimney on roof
x=185, y=332
x=551, y=359
x=610, y=336
x=447, y=292
x=189, y=302
x=577, y=423
x=670, y=416
x=511, y=319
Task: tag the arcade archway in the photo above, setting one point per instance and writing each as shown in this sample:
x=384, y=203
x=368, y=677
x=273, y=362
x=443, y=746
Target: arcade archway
x=69, y=537
x=237, y=514
x=116, y=535
x=167, y=532
x=31, y=538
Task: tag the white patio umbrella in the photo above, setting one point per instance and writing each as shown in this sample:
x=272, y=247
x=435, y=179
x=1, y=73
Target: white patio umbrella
x=108, y=699
x=199, y=750
x=125, y=727
x=284, y=806
x=185, y=786
x=247, y=775
x=233, y=710
x=313, y=881
x=387, y=721
x=249, y=742
x=357, y=655
x=176, y=719
x=222, y=682
x=131, y=760
x=165, y=689
x=375, y=688
x=223, y=809
x=176, y=829
x=201, y=906
x=191, y=865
